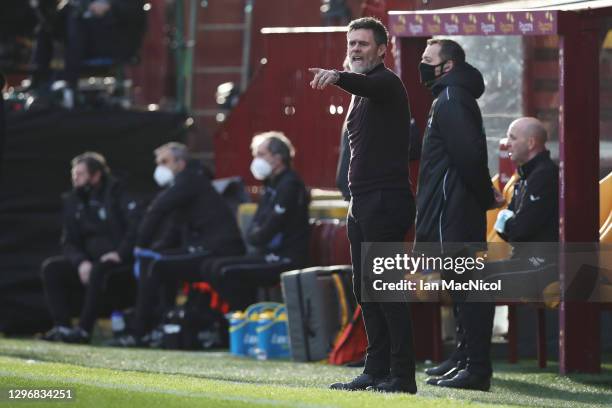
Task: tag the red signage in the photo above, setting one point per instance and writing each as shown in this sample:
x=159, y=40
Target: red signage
x=415, y=24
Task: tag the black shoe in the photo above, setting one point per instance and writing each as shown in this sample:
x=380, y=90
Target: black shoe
x=57, y=333
x=468, y=381
x=77, y=336
x=360, y=383
x=126, y=340
x=450, y=374
x=395, y=384
x=441, y=369
x=153, y=339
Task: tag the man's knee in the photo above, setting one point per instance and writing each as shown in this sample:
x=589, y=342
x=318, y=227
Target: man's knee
x=158, y=270
x=52, y=266
x=100, y=270
x=212, y=269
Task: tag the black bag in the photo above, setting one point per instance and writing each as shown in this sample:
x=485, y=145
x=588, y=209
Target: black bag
x=194, y=325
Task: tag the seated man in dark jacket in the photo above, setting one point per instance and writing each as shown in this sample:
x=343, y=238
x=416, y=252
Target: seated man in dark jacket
x=533, y=213
x=100, y=224
x=531, y=220
x=187, y=222
x=278, y=232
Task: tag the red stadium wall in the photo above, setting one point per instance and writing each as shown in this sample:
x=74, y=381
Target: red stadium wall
x=280, y=98
x=218, y=52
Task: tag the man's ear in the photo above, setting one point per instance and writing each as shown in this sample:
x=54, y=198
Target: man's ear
x=96, y=178
x=278, y=160
x=382, y=49
x=448, y=65
x=531, y=142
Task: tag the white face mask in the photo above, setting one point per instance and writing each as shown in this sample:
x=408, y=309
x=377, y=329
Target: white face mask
x=163, y=176
x=260, y=168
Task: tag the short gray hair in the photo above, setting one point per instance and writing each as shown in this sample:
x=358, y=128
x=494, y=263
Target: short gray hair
x=179, y=151
x=381, y=35
x=278, y=143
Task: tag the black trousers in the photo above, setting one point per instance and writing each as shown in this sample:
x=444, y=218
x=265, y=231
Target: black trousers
x=475, y=321
x=158, y=280
x=383, y=216
x=84, y=38
x=111, y=286
x=474, y=313
x=237, y=278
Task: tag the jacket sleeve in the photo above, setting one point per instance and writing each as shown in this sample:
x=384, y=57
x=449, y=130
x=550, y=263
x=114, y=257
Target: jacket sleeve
x=131, y=212
x=466, y=145
x=377, y=87
x=170, y=236
x=72, y=246
x=166, y=202
x=262, y=231
x=539, y=200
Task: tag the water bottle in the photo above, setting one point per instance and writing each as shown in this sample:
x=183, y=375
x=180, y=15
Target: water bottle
x=237, y=330
x=117, y=323
x=265, y=322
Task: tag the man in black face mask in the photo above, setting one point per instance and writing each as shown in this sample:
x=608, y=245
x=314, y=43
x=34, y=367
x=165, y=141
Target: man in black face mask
x=100, y=223
x=454, y=192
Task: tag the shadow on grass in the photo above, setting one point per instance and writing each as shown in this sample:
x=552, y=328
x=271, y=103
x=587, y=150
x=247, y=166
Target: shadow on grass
x=525, y=368
x=603, y=379
x=555, y=395
x=598, y=380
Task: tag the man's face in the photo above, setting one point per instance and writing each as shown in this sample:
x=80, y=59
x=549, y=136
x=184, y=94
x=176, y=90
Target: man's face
x=263, y=152
x=362, y=52
x=518, y=145
x=80, y=175
x=166, y=158
x=431, y=56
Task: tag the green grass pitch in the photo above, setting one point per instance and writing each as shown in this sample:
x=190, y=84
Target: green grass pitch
x=106, y=377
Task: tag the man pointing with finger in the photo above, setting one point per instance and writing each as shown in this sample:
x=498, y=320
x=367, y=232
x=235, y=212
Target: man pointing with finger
x=382, y=206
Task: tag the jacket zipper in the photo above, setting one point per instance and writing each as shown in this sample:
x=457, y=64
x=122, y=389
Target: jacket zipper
x=442, y=211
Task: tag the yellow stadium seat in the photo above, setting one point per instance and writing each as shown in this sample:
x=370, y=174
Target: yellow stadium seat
x=246, y=211
x=499, y=249
x=492, y=214
x=321, y=194
x=605, y=202
x=328, y=209
x=509, y=187
x=552, y=295
x=606, y=236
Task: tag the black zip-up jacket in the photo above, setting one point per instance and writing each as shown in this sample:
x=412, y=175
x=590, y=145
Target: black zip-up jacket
x=454, y=188
x=103, y=220
x=195, y=216
x=535, y=202
x=378, y=124
x=280, y=224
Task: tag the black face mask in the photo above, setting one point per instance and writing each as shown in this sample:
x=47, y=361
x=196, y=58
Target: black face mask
x=84, y=190
x=427, y=73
